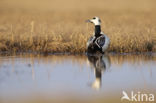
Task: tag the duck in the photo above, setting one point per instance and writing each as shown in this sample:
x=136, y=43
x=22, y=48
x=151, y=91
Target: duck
x=99, y=42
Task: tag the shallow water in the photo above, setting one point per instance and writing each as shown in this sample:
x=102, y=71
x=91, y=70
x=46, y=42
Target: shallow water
x=69, y=78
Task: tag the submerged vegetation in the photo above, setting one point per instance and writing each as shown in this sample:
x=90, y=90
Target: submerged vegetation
x=48, y=31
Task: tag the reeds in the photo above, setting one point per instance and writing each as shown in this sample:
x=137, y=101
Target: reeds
x=51, y=32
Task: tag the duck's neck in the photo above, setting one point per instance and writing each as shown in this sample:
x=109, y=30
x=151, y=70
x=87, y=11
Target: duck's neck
x=97, y=30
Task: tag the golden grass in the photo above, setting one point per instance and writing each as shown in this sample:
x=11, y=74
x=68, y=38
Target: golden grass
x=131, y=28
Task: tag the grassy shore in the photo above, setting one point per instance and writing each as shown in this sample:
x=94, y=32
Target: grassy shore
x=51, y=29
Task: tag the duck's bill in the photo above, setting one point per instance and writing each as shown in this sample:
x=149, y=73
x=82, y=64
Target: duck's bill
x=88, y=21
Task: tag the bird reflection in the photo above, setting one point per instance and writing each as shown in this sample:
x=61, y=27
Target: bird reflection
x=99, y=63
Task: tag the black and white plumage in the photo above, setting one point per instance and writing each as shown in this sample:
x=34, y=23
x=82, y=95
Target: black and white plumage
x=99, y=41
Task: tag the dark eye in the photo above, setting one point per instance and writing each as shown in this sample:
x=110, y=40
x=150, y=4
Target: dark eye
x=94, y=18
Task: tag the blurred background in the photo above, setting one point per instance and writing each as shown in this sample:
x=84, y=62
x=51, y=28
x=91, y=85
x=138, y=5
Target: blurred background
x=78, y=5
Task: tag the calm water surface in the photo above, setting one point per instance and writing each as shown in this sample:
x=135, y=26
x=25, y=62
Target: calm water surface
x=68, y=78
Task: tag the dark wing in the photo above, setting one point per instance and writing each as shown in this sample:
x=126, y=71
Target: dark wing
x=100, y=41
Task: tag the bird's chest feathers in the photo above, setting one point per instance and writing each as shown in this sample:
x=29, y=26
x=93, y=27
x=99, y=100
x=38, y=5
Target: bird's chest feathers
x=96, y=36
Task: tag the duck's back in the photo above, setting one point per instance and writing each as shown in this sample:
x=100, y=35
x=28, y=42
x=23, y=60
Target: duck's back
x=103, y=41
x=100, y=43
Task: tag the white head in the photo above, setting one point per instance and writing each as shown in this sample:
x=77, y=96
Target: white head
x=95, y=21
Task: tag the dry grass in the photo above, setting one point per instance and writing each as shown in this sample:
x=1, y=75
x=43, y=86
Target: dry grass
x=55, y=28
